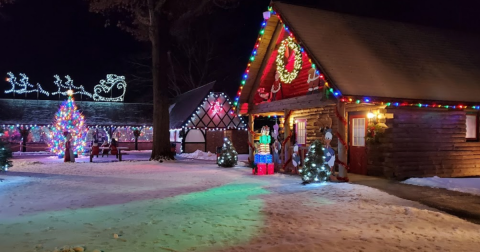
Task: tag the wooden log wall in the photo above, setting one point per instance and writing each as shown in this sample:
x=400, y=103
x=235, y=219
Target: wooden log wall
x=424, y=143
x=317, y=118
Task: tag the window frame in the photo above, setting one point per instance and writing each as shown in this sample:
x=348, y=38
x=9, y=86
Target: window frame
x=303, y=120
x=352, y=130
x=476, y=127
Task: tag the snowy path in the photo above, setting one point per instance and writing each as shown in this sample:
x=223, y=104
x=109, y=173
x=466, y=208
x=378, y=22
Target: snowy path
x=185, y=206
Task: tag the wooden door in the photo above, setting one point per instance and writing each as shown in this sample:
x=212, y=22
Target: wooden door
x=357, y=149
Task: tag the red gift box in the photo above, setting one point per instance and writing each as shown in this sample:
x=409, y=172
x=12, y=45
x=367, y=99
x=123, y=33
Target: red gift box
x=270, y=169
x=261, y=169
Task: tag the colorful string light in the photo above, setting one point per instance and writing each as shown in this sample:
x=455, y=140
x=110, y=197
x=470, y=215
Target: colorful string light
x=331, y=90
x=68, y=119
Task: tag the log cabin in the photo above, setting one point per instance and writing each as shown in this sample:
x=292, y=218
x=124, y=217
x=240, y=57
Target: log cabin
x=402, y=99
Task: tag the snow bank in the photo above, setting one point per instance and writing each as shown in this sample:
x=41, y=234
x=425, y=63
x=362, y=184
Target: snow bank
x=198, y=154
x=34, y=153
x=466, y=185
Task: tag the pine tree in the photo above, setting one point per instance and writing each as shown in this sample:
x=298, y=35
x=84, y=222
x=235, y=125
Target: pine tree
x=229, y=156
x=68, y=119
x=314, y=169
x=5, y=154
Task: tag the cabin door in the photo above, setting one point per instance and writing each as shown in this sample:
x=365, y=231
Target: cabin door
x=357, y=149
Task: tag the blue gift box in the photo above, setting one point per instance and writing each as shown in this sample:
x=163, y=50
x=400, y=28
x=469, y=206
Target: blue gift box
x=263, y=158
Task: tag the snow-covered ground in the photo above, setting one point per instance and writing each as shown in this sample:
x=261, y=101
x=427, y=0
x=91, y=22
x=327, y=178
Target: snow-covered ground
x=198, y=154
x=191, y=206
x=466, y=185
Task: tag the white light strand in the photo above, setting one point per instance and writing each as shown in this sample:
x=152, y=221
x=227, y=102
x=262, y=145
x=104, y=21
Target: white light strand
x=59, y=83
x=24, y=85
x=68, y=86
x=106, y=86
x=78, y=90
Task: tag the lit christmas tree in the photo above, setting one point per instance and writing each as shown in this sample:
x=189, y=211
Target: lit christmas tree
x=5, y=154
x=68, y=120
x=229, y=156
x=314, y=168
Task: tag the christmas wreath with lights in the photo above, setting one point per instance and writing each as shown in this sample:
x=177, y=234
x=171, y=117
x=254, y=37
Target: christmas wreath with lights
x=285, y=76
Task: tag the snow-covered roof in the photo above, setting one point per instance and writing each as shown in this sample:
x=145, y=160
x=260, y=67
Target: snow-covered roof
x=186, y=104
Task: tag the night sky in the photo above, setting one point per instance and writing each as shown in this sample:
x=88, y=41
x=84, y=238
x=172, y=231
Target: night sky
x=47, y=37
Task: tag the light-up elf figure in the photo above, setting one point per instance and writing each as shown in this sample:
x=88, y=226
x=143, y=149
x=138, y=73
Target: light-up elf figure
x=263, y=159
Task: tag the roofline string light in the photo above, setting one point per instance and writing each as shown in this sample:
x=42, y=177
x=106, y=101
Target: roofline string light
x=230, y=111
x=336, y=92
x=297, y=65
x=251, y=59
x=403, y=103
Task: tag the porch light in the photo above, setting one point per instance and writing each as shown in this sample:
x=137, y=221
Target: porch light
x=370, y=115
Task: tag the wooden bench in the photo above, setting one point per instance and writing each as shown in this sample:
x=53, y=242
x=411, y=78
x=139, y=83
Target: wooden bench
x=96, y=152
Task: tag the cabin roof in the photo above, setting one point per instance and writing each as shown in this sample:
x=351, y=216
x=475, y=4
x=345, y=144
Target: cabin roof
x=380, y=58
x=185, y=104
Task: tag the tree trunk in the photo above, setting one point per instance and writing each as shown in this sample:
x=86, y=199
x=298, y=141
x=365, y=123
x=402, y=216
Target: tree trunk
x=159, y=24
x=24, y=143
x=136, y=143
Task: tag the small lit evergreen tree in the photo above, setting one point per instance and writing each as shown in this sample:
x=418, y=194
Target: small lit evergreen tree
x=5, y=154
x=229, y=156
x=68, y=119
x=314, y=169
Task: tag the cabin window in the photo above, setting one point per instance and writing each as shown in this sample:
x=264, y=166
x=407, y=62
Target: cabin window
x=472, y=127
x=358, y=132
x=301, y=131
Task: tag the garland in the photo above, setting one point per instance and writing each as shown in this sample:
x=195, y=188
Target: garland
x=251, y=146
x=285, y=76
x=286, y=140
x=343, y=179
x=340, y=117
x=286, y=163
x=342, y=140
x=342, y=163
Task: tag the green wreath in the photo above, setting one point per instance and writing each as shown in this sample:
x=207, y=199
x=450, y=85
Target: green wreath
x=285, y=76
